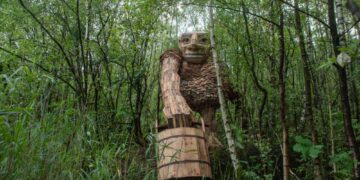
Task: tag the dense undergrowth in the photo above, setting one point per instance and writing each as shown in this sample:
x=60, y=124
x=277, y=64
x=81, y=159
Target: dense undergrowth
x=79, y=87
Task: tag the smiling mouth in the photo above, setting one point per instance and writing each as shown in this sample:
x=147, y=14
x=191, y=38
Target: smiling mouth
x=195, y=58
x=195, y=54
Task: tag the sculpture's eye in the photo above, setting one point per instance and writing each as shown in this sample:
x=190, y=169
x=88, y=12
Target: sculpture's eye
x=186, y=40
x=204, y=40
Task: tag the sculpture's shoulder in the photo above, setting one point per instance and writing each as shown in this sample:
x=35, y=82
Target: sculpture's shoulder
x=175, y=53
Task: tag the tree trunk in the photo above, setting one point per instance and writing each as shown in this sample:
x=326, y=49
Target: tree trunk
x=231, y=142
x=349, y=131
x=252, y=67
x=309, y=117
x=285, y=131
x=331, y=126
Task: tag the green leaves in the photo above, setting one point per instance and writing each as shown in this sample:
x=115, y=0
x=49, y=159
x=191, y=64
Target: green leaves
x=307, y=149
x=327, y=63
x=344, y=163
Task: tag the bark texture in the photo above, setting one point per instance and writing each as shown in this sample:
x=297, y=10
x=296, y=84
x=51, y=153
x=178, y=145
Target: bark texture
x=187, y=87
x=349, y=130
x=284, y=124
x=198, y=86
x=309, y=116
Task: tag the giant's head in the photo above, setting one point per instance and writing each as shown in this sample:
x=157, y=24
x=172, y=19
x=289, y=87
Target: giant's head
x=195, y=47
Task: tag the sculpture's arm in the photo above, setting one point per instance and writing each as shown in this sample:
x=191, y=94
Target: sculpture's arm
x=230, y=92
x=176, y=110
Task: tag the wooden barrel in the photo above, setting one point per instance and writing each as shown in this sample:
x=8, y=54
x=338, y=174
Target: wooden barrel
x=183, y=154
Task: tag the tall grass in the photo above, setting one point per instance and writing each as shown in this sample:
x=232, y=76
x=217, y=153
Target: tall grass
x=63, y=148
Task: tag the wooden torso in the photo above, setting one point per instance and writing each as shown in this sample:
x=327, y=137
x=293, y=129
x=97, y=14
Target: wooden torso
x=198, y=85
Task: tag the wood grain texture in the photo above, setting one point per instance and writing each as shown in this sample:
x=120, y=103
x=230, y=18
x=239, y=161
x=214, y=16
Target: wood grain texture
x=183, y=153
x=176, y=109
x=188, y=87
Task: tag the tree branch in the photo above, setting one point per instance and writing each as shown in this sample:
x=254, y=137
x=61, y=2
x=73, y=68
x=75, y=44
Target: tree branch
x=38, y=65
x=227, y=7
x=342, y=34
x=247, y=12
x=306, y=13
x=67, y=58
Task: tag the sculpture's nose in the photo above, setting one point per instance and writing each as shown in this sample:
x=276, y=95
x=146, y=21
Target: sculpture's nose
x=193, y=46
x=193, y=40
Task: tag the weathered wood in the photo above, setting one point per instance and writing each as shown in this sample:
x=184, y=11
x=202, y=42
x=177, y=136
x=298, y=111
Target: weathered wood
x=183, y=153
x=189, y=83
x=176, y=110
x=188, y=86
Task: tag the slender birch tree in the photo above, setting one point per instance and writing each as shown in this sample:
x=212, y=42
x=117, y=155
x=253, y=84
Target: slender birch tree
x=230, y=140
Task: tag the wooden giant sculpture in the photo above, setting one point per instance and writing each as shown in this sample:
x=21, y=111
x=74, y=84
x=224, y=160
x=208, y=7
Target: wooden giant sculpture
x=188, y=83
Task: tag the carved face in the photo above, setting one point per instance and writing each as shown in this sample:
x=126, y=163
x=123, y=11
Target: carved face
x=195, y=47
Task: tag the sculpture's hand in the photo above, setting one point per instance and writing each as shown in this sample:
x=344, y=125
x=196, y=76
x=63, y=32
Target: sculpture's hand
x=181, y=120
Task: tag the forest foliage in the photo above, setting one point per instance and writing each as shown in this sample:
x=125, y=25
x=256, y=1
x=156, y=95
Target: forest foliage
x=79, y=86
